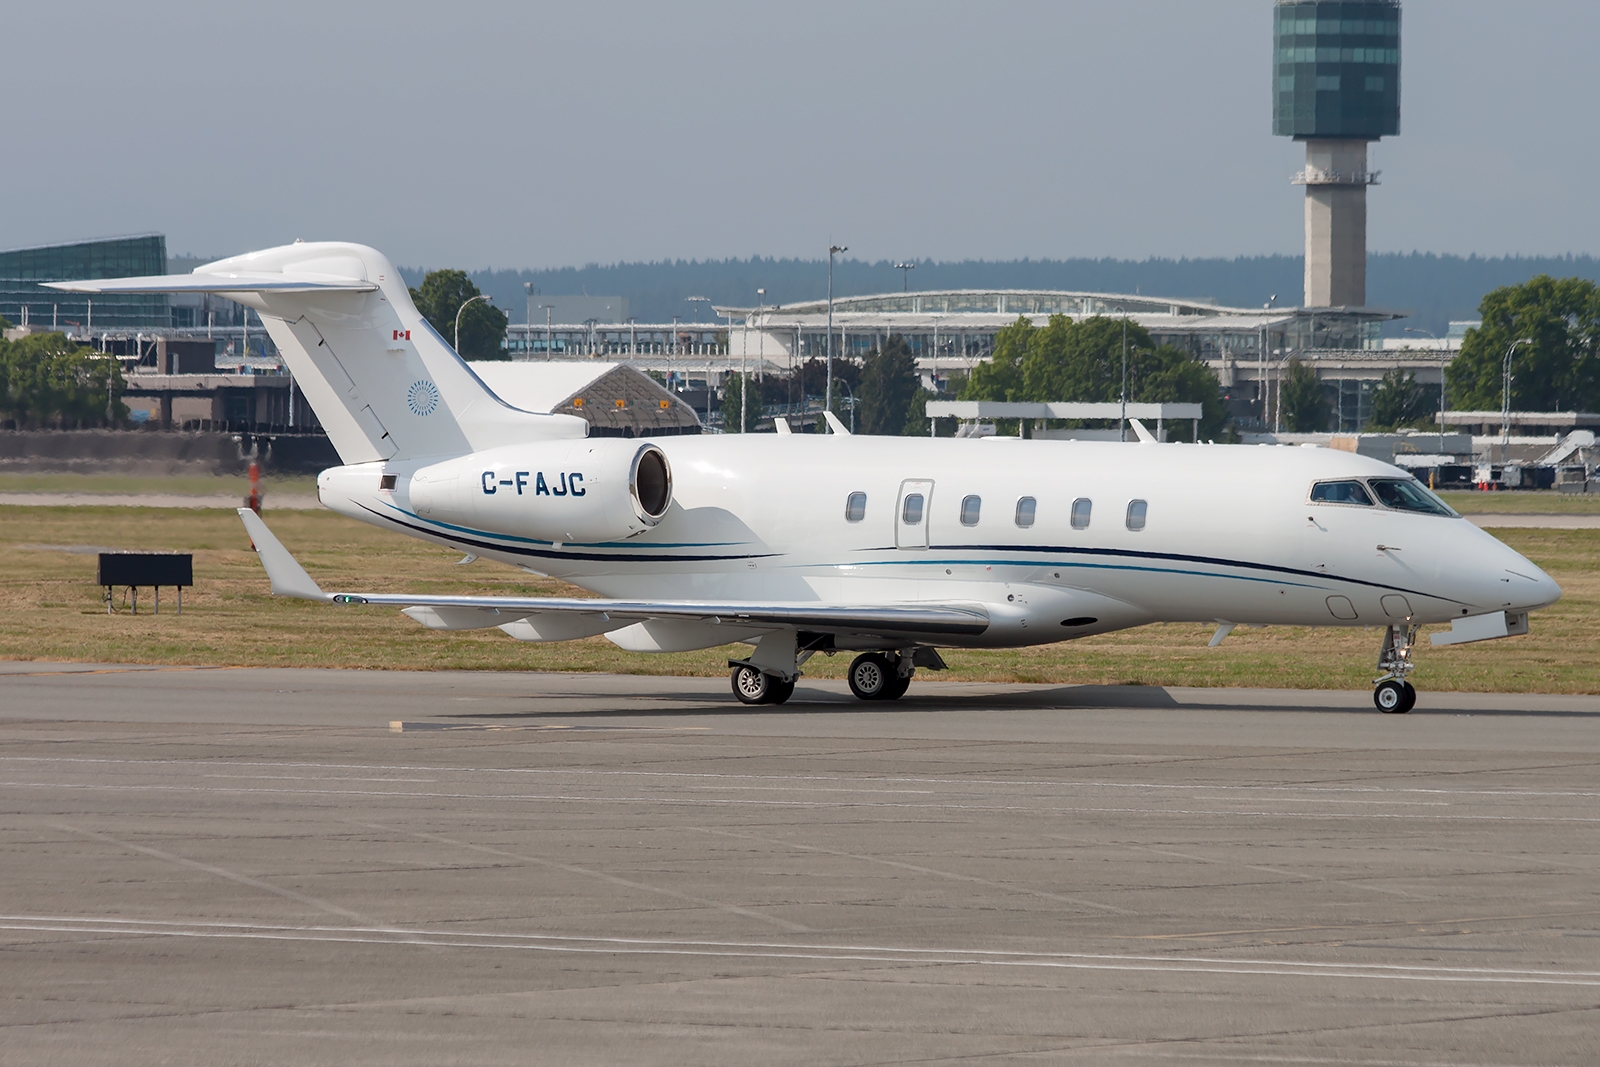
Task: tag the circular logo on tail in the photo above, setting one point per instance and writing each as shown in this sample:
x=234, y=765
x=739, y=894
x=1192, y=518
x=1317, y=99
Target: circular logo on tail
x=423, y=397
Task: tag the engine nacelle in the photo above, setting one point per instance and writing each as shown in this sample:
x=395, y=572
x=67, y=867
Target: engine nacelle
x=587, y=491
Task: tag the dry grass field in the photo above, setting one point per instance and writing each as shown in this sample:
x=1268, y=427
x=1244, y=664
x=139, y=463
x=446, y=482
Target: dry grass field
x=53, y=611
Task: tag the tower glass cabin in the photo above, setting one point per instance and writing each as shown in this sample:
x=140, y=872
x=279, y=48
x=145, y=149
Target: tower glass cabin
x=1336, y=86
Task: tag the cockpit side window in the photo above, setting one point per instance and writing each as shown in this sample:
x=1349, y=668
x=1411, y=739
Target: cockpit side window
x=1341, y=493
x=1407, y=494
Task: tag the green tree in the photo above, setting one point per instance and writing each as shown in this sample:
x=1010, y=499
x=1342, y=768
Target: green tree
x=889, y=384
x=1300, y=396
x=1399, y=401
x=730, y=404
x=1558, y=371
x=483, y=326
x=46, y=379
x=1000, y=377
x=1082, y=361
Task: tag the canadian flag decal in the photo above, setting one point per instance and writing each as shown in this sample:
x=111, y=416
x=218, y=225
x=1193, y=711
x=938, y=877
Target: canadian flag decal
x=402, y=335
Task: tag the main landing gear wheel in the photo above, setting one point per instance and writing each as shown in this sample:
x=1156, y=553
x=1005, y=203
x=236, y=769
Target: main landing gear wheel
x=756, y=687
x=1395, y=697
x=874, y=676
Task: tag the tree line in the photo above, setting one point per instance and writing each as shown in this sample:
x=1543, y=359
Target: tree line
x=1555, y=324
x=48, y=381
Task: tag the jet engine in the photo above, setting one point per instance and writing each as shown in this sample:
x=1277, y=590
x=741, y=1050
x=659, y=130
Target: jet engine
x=586, y=491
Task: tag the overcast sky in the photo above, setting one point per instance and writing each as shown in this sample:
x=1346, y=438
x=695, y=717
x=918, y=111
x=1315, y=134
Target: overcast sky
x=538, y=134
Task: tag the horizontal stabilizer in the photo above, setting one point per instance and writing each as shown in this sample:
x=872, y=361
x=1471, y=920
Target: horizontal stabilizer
x=220, y=283
x=287, y=576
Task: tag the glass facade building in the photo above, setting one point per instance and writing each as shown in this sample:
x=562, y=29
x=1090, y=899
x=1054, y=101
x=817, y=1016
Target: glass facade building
x=1336, y=70
x=23, y=269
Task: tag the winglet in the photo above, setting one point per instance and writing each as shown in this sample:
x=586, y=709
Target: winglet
x=288, y=577
x=781, y=425
x=1145, y=436
x=835, y=424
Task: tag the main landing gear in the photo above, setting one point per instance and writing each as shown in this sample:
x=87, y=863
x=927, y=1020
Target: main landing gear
x=1393, y=694
x=754, y=686
x=875, y=676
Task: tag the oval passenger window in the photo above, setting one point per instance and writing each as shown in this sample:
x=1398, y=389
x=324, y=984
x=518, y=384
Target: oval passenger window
x=855, y=508
x=1136, y=513
x=1025, y=511
x=970, y=505
x=912, y=512
x=1081, y=508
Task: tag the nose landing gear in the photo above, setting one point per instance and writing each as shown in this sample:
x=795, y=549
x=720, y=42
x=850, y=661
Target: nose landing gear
x=1392, y=693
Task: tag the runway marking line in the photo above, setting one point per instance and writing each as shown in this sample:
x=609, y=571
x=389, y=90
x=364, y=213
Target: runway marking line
x=1034, y=809
x=792, y=951
x=910, y=780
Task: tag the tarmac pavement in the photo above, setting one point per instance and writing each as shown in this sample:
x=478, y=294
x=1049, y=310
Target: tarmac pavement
x=295, y=866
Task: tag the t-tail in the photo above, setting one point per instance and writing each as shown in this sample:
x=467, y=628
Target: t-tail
x=382, y=381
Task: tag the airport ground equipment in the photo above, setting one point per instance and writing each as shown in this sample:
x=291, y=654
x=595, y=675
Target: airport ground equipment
x=139, y=569
x=885, y=547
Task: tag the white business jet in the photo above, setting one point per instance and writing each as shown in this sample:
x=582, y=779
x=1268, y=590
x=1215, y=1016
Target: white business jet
x=797, y=544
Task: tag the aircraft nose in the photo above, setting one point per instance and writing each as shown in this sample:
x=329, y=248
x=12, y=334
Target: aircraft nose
x=1526, y=585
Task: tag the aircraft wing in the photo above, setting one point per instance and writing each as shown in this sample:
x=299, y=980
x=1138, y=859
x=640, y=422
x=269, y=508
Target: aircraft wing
x=468, y=612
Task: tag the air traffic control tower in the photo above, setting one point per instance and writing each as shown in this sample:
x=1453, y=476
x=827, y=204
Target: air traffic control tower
x=1336, y=86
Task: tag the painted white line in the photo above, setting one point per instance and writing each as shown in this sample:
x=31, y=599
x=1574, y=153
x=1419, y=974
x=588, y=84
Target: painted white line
x=1058, y=808
x=1087, y=783
x=793, y=951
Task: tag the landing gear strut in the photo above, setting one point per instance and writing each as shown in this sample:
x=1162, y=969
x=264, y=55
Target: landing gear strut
x=876, y=676
x=1393, y=694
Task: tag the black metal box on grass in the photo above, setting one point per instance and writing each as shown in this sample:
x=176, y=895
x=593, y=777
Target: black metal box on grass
x=153, y=569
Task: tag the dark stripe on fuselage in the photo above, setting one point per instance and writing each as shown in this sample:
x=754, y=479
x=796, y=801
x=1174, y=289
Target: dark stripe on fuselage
x=518, y=550
x=1179, y=557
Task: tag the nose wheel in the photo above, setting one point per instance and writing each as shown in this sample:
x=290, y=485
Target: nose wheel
x=1392, y=694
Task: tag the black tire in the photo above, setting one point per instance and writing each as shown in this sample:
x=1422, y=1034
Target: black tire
x=781, y=691
x=751, y=686
x=1390, y=697
x=870, y=676
x=1411, y=696
x=897, y=687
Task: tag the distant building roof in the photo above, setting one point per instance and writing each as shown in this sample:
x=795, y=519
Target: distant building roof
x=614, y=398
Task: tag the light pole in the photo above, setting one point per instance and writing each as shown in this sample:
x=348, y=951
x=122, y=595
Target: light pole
x=1122, y=423
x=459, y=310
x=697, y=300
x=905, y=270
x=852, y=393
x=548, y=333
x=744, y=350
x=1505, y=397
x=527, y=334
x=827, y=396
x=670, y=347
x=1443, y=349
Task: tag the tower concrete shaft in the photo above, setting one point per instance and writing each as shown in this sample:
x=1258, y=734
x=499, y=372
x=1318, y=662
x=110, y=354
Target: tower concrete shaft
x=1336, y=180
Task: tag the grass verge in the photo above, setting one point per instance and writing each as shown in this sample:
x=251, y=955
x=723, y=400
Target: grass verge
x=53, y=611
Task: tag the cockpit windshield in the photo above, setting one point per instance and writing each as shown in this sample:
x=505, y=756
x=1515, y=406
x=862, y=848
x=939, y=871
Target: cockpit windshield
x=1406, y=494
x=1351, y=492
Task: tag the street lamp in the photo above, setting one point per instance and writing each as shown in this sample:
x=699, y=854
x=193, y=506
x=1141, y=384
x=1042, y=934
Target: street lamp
x=527, y=334
x=1505, y=397
x=548, y=308
x=1442, y=351
x=744, y=350
x=697, y=300
x=905, y=270
x=459, y=310
x=852, y=393
x=827, y=396
x=1122, y=423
